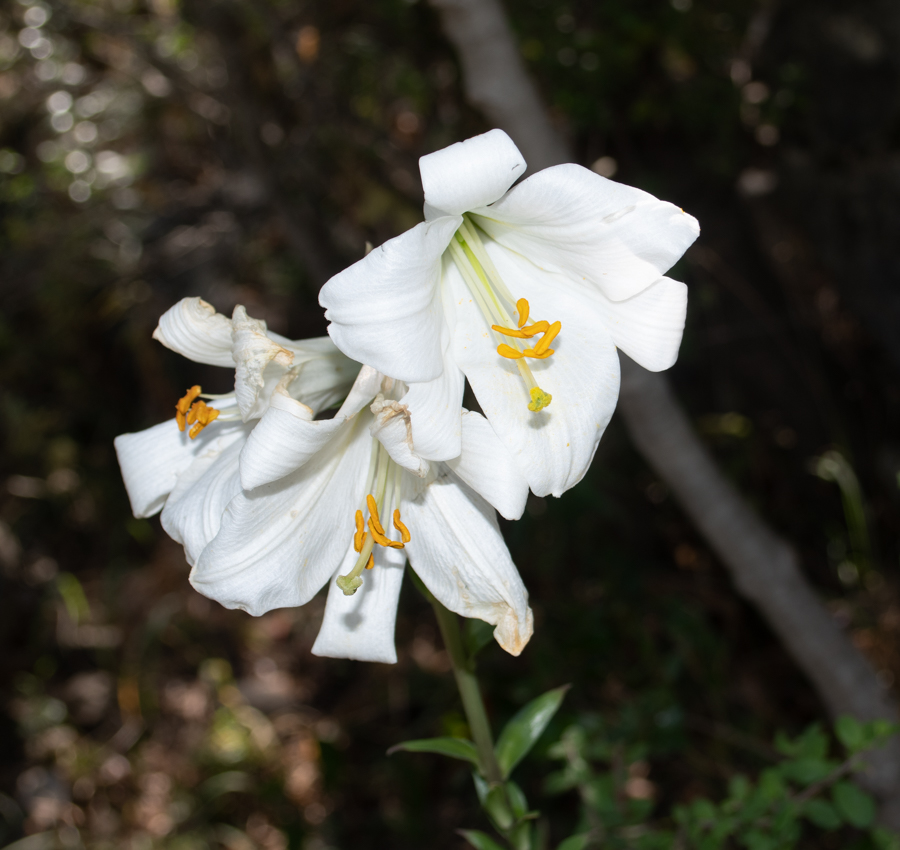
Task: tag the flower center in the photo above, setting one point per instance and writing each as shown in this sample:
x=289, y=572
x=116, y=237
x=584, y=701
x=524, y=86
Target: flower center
x=383, y=488
x=496, y=305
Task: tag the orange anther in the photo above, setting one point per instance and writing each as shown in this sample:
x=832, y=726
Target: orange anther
x=522, y=309
x=510, y=353
x=200, y=416
x=374, y=519
x=404, y=531
x=510, y=332
x=533, y=352
x=381, y=539
x=371, y=562
x=547, y=338
x=360, y=536
x=184, y=405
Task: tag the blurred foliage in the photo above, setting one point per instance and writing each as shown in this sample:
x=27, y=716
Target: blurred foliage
x=243, y=152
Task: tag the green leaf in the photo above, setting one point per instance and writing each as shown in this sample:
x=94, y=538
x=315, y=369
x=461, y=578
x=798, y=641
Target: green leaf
x=498, y=808
x=457, y=748
x=850, y=732
x=479, y=840
x=822, y=814
x=806, y=771
x=517, y=800
x=476, y=636
x=853, y=804
x=575, y=842
x=522, y=732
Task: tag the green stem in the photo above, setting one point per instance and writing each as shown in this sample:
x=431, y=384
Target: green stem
x=466, y=683
x=469, y=692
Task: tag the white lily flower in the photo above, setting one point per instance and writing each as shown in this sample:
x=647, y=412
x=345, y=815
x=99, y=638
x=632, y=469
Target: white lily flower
x=154, y=461
x=310, y=500
x=496, y=276
x=268, y=511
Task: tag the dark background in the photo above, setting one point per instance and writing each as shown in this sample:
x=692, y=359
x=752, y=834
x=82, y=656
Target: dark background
x=243, y=152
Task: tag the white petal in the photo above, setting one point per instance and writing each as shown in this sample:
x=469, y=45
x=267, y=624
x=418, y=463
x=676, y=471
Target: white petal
x=278, y=544
x=193, y=512
x=648, y=326
x=195, y=330
x=362, y=626
x=283, y=441
x=322, y=373
x=554, y=447
x=434, y=409
x=486, y=465
x=152, y=460
x=253, y=351
x=458, y=552
x=614, y=237
x=470, y=174
x=392, y=429
x=384, y=309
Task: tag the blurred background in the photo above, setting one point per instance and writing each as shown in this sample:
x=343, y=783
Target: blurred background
x=244, y=152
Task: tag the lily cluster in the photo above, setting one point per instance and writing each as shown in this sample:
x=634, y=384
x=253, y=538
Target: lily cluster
x=524, y=292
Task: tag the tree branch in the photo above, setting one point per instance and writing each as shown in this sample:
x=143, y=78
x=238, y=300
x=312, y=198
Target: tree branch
x=764, y=566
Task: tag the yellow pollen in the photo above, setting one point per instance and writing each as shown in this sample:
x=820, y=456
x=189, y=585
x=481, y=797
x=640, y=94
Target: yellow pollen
x=199, y=416
x=383, y=540
x=523, y=309
x=404, y=531
x=371, y=562
x=184, y=405
x=360, y=536
x=539, y=399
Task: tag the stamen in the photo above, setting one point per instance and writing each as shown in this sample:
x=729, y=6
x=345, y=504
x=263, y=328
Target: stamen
x=547, y=338
x=510, y=353
x=371, y=562
x=373, y=515
x=200, y=416
x=522, y=308
x=360, y=536
x=184, y=405
x=524, y=333
x=383, y=540
x=404, y=531
x=531, y=352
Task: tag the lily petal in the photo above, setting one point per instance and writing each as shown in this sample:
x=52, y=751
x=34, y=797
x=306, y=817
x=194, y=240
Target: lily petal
x=284, y=440
x=470, y=174
x=392, y=429
x=278, y=544
x=458, y=552
x=253, y=350
x=384, y=309
x=322, y=373
x=614, y=237
x=434, y=408
x=552, y=448
x=362, y=626
x=648, y=326
x=287, y=437
x=195, y=330
x=193, y=511
x=486, y=465
x=152, y=460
